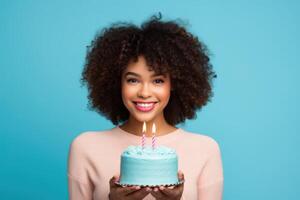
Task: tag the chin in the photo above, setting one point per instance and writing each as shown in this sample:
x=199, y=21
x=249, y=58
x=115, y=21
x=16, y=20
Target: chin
x=141, y=118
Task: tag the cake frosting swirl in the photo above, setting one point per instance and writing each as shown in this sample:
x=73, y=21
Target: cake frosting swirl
x=157, y=152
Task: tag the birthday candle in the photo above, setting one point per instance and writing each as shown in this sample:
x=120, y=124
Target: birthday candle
x=144, y=137
x=153, y=136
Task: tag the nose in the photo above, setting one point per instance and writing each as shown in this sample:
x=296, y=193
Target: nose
x=144, y=91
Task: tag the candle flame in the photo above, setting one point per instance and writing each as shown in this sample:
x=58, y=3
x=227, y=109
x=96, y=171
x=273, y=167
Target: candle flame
x=153, y=128
x=144, y=127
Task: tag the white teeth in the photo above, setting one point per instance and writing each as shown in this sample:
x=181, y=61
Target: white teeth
x=145, y=104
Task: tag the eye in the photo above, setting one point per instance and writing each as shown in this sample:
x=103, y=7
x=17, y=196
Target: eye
x=158, y=81
x=131, y=80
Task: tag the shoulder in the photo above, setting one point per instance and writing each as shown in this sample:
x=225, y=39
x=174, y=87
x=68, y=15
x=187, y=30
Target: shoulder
x=201, y=141
x=88, y=139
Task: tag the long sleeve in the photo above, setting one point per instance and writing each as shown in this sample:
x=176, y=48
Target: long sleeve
x=79, y=185
x=210, y=181
x=78, y=190
x=92, y=162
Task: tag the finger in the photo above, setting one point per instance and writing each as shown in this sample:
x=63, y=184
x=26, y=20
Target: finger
x=157, y=193
x=169, y=191
x=117, y=177
x=173, y=190
x=161, y=188
x=180, y=175
x=112, y=182
x=140, y=194
x=127, y=190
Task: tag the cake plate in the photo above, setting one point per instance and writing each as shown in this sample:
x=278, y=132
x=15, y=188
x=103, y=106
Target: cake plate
x=165, y=185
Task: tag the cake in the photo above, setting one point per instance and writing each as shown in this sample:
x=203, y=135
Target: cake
x=149, y=167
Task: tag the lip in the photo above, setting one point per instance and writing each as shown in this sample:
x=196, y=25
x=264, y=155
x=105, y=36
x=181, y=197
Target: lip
x=144, y=109
x=144, y=102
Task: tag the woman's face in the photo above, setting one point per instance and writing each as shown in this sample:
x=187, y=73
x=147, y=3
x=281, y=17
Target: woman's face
x=144, y=93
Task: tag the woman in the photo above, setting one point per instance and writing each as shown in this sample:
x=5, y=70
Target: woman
x=159, y=74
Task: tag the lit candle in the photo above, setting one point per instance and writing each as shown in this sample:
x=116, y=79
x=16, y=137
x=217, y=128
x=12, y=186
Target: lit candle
x=153, y=136
x=144, y=137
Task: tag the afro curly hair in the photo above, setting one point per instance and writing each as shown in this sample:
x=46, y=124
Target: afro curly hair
x=167, y=48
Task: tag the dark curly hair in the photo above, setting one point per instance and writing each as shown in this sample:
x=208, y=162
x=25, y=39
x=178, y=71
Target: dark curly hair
x=167, y=48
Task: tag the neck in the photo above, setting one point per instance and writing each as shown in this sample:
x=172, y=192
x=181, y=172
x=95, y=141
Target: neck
x=135, y=127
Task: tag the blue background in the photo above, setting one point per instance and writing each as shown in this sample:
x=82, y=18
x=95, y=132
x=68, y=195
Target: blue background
x=253, y=114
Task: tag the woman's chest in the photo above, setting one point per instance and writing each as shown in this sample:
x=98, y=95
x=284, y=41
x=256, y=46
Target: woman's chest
x=108, y=166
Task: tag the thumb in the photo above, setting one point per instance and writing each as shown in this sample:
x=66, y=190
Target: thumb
x=116, y=177
x=180, y=175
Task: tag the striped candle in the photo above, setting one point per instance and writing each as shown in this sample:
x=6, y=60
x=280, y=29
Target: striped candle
x=153, y=136
x=144, y=137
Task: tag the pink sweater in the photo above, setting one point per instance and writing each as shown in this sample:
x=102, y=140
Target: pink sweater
x=94, y=157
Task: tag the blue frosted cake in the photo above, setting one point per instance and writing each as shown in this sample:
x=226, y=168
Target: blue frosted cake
x=149, y=166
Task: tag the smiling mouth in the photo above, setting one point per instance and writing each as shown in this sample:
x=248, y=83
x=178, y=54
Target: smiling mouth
x=144, y=107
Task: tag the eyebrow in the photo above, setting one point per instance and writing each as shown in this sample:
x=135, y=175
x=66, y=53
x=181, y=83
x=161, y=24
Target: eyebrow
x=135, y=74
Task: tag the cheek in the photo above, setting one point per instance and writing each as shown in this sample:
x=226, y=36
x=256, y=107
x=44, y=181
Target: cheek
x=127, y=92
x=164, y=93
x=126, y=95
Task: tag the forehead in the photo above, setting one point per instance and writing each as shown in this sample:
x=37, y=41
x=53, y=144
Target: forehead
x=139, y=68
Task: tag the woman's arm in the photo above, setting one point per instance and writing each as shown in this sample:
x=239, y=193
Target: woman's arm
x=212, y=192
x=79, y=185
x=78, y=190
x=210, y=181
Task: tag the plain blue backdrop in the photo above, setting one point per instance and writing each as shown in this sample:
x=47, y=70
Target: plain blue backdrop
x=253, y=114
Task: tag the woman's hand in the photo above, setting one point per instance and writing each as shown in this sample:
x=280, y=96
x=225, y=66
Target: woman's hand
x=124, y=193
x=169, y=193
